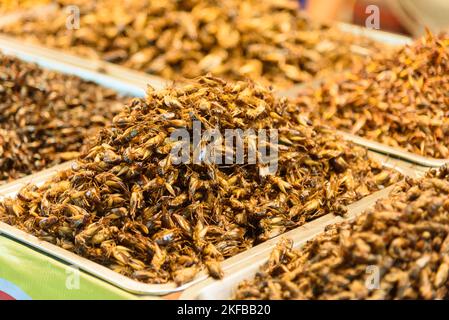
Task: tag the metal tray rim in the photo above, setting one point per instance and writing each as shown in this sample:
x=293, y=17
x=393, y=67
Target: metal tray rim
x=142, y=78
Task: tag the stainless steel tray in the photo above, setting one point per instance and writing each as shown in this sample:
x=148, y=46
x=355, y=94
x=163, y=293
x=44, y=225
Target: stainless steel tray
x=125, y=283
x=212, y=289
x=370, y=144
x=387, y=38
x=394, y=152
x=73, y=64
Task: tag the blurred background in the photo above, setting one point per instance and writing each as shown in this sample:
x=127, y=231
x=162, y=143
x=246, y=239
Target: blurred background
x=409, y=17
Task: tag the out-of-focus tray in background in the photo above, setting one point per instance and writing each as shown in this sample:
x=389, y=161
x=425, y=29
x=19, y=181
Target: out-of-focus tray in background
x=132, y=286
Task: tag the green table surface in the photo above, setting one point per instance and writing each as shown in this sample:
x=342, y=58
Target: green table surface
x=27, y=273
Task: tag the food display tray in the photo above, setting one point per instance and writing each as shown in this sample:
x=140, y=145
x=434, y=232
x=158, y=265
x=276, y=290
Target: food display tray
x=36, y=11
x=65, y=65
x=387, y=38
x=228, y=265
x=380, y=36
x=106, y=74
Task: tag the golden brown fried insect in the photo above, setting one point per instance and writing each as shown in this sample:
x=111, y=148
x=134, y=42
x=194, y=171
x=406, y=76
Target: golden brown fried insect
x=157, y=221
x=398, y=99
x=8, y=6
x=47, y=117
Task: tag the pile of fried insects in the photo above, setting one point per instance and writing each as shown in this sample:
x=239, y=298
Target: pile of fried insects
x=125, y=205
x=399, y=99
x=47, y=117
x=397, y=250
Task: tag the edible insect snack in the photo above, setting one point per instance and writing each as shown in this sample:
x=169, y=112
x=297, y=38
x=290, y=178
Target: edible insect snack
x=127, y=205
x=397, y=250
x=46, y=117
x=401, y=100
x=268, y=41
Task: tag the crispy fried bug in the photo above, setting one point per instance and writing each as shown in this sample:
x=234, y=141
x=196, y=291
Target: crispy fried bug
x=157, y=221
x=398, y=99
x=46, y=117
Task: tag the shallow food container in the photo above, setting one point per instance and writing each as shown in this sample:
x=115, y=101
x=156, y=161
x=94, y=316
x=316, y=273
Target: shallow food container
x=374, y=34
x=395, y=152
x=387, y=38
x=212, y=289
x=229, y=265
